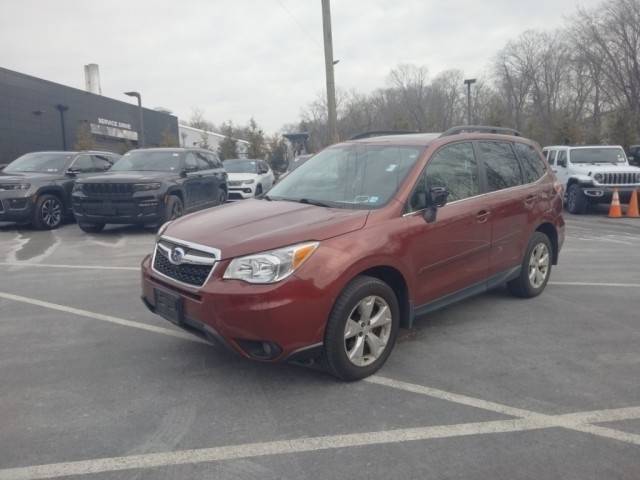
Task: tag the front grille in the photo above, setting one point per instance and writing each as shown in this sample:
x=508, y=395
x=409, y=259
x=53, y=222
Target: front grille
x=622, y=178
x=189, y=273
x=102, y=189
x=234, y=183
x=234, y=196
x=110, y=208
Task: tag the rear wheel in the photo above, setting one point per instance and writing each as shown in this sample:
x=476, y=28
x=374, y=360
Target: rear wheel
x=577, y=201
x=536, y=268
x=91, y=227
x=48, y=212
x=222, y=197
x=173, y=208
x=362, y=329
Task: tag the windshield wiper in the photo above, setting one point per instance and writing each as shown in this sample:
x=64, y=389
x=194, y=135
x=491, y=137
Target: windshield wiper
x=317, y=203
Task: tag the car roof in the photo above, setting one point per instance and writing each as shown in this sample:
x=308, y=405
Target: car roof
x=574, y=147
x=425, y=139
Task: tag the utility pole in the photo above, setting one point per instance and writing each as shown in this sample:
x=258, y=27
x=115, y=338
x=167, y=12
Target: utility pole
x=328, y=65
x=468, y=83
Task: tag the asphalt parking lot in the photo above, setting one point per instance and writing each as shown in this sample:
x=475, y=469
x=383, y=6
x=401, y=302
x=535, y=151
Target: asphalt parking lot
x=94, y=385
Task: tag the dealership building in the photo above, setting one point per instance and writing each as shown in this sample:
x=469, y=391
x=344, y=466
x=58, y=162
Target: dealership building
x=37, y=114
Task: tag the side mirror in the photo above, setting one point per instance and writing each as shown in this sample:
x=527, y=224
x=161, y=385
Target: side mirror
x=71, y=172
x=438, y=196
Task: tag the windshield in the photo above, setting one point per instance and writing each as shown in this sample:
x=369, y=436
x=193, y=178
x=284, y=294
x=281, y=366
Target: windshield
x=148, y=161
x=598, y=155
x=349, y=176
x=240, y=166
x=39, y=162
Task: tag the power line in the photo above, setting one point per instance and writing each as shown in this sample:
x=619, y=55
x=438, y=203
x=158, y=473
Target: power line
x=300, y=26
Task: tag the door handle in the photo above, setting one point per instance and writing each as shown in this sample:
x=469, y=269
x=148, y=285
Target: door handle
x=482, y=216
x=530, y=199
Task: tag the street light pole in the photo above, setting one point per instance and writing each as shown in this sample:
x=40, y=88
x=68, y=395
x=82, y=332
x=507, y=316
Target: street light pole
x=328, y=65
x=63, y=108
x=468, y=83
x=141, y=142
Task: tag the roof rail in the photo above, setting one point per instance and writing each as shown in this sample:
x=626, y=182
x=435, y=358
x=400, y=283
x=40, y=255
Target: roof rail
x=380, y=133
x=481, y=129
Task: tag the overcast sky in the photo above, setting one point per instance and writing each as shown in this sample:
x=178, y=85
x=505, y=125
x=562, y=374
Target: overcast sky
x=263, y=58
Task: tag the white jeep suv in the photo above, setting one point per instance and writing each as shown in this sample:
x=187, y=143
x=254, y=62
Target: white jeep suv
x=248, y=178
x=589, y=174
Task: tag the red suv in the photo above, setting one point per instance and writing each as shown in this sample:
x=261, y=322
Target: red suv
x=357, y=242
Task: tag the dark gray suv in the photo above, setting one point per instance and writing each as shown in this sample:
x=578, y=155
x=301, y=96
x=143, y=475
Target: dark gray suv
x=149, y=187
x=36, y=187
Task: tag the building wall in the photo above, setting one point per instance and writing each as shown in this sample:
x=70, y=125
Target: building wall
x=29, y=120
x=193, y=137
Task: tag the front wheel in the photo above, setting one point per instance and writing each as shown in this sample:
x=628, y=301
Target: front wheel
x=173, y=208
x=48, y=212
x=577, y=201
x=536, y=268
x=362, y=329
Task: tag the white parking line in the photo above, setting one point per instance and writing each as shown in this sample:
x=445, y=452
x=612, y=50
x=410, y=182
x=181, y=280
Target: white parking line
x=101, y=317
x=528, y=420
x=597, y=284
x=80, y=267
x=574, y=421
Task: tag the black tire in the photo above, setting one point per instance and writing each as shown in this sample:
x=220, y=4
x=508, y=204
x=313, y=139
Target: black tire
x=335, y=355
x=577, y=201
x=524, y=286
x=222, y=197
x=174, y=208
x=258, y=191
x=91, y=227
x=48, y=212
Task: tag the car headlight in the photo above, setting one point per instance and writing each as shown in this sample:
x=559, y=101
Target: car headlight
x=77, y=187
x=271, y=266
x=15, y=186
x=143, y=187
x=598, y=177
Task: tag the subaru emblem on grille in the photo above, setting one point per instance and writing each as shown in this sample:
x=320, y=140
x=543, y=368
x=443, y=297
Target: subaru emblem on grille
x=176, y=256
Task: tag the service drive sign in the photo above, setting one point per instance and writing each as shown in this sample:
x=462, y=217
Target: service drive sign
x=113, y=128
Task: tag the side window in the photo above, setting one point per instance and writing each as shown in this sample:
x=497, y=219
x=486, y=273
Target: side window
x=453, y=167
x=190, y=162
x=102, y=163
x=264, y=168
x=562, y=158
x=203, y=163
x=214, y=160
x=551, y=157
x=501, y=165
x=532, y=165
x=83, y=164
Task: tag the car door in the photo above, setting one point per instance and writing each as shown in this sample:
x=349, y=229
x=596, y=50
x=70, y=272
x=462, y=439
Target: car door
x=510, y=203
x=220, y=177
x=266, y=176
x=209, y=182
x=451, y=253
x=81, y=166
x=192, y=182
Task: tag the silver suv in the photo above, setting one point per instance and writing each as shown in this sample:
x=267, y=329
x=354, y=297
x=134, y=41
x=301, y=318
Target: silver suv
x=589, y=174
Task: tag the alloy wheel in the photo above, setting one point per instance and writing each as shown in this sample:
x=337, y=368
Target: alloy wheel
x=367, y=331
x=176, y=211
x=539, y=265
x=51, y=212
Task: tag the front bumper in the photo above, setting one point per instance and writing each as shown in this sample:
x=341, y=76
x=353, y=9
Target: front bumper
x=16, y=209
x=139, y=210
x=605, y=192
x=242, y=192
x=289, y=315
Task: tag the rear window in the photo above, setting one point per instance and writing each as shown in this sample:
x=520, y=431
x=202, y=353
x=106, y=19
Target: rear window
x=501, y=165
x=532, y=164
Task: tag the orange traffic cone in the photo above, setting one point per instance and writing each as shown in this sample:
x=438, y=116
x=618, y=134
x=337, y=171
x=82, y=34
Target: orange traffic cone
x=633, y=206
x=615, y=211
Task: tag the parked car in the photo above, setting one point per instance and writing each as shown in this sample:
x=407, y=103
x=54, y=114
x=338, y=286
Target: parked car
x=36, y=187
x=248, y=178
x=149, y=187
x=357, y=242
x=589, y=174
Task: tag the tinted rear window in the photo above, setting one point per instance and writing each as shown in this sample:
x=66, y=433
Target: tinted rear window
x=501, y=165
x=532, y=164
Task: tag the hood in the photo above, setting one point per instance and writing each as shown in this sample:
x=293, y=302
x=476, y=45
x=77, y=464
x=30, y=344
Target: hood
x=125, y=177
x=252, y=226
x=235, y=177
x=593, y=168
x=21, y=177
